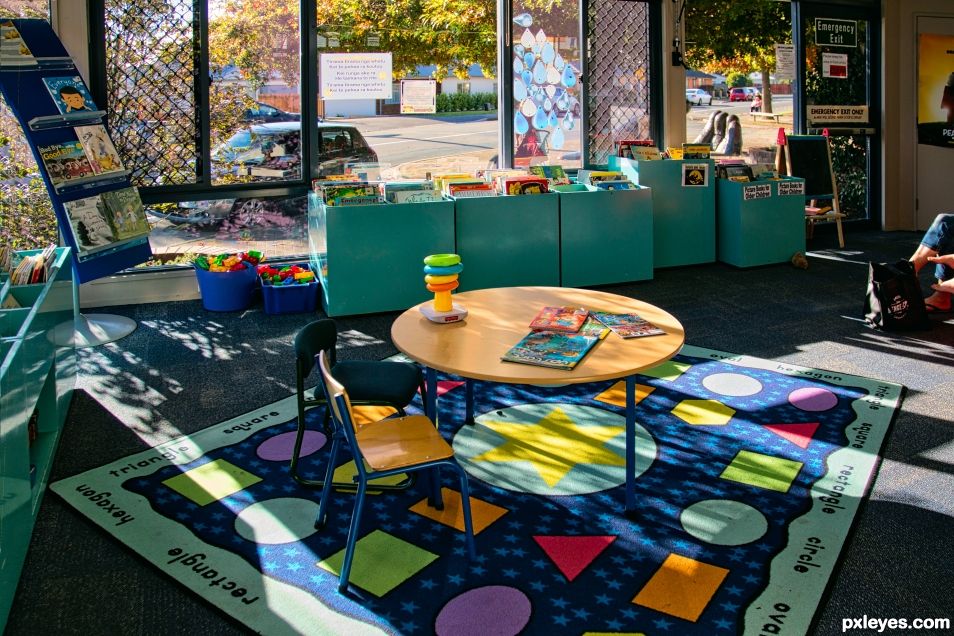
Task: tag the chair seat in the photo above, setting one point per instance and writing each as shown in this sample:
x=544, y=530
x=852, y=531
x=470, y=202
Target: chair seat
x=388, y=382
x=402, y=441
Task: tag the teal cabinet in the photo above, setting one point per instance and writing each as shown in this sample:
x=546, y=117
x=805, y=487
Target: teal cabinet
x=606, y=236
x=508, y=241
x=370, y=258
x=683, y=213
x=760, y=223
x=37, y=377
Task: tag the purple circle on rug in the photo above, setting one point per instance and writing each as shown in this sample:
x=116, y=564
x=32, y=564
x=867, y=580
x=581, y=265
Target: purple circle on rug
x=495, y=610
x=813, y=399
x=279, y=448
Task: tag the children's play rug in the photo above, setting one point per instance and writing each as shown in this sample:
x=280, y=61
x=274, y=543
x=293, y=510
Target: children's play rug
x=749, y=475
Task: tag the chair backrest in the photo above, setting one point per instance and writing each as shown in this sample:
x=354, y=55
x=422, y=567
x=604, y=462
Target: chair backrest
x=338, y=401
x=317, y=336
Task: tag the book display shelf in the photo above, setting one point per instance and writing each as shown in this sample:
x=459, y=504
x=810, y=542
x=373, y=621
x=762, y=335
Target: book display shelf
x=760, y=222
x=508, y=241
x=683, y=207
x=606, y=236
x=369, y=258
x=37, y=377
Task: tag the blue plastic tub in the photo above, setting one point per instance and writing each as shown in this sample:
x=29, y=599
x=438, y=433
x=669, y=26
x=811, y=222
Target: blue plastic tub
x=291, y=299
x=227, y=291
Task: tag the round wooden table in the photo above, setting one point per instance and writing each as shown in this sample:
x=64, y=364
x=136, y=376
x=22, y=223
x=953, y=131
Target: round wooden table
x=498, y=318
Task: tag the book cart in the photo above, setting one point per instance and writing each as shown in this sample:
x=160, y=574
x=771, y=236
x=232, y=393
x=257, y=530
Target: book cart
x=760, y=222
x=37, y=377
x=683, y=212
x=354, y=248
x=508, y=240
x=606, y=236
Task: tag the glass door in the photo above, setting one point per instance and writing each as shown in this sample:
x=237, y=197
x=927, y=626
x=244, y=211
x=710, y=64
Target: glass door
x=838, y=68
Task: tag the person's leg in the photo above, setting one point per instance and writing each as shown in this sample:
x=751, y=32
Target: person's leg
x=939, y=239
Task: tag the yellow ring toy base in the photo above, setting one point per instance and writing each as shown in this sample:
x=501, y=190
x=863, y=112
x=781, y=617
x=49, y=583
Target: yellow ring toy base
x=457, y=314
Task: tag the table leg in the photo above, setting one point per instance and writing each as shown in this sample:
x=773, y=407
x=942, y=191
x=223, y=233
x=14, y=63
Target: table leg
x=469, y=402
x=630, y=446
x=434, y=497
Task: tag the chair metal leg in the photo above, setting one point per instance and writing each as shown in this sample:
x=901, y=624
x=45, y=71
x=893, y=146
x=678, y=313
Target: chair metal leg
x=465, y=504
x=322, y=517
x=352, y=537
x=435, y=499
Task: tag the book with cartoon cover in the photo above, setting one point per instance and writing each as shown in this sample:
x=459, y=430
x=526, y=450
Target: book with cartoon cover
x=564, y=319
x=65, y=162
x=70, y=94
x=628, y=325
x=99, y=149
x=551, y=349
x=90, y=226
x=125, y=211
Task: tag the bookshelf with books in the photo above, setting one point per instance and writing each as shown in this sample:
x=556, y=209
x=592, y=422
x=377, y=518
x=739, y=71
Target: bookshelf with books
x=354, y=248
x=37, y=377
x=77, y=159
x=683, y=196
x=760, y=222
x=606, y=236
x=509, y=240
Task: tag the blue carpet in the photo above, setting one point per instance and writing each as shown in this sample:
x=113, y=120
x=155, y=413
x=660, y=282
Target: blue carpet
x=749, y=476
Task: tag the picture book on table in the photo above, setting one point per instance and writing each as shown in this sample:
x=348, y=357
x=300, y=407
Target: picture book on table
x=70, y=94
x=627, y=325
x=90, y=225
x=99, y=149
x=124, y=208
x=65, y=162
x=564, y=319
x=550, y=349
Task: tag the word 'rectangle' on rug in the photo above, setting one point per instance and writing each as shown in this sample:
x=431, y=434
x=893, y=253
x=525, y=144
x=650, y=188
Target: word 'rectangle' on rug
x=749, y=475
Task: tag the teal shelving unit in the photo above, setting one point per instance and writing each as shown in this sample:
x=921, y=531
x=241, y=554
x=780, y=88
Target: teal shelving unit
x=606, y=236
x=507, y=241
x=370, y=258
x=760, y=223
x=683, y=216
x=37, y=377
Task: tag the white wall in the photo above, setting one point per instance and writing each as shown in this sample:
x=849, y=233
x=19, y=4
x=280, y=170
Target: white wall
x=477, y=85
x=349, y=107
x=69, y=20
x=899, y=116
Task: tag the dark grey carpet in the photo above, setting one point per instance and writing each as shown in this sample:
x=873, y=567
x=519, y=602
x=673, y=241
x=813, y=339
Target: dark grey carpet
x=184, y=369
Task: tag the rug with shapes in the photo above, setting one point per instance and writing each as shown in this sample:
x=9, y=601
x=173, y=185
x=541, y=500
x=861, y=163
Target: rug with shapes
x=749, y=475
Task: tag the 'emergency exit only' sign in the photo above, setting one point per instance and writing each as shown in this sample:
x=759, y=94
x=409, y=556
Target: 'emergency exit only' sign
x=832, y=32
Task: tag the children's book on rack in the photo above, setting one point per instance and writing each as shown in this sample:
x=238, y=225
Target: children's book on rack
x=70, y=94
x=126, y=212
x=556, y=175
x=99, y=149
x=563, y=319
x=103, y=221
x=32, y=269
x=66, y=163
x=627, y=325
x=551, y=349
x=13, y=50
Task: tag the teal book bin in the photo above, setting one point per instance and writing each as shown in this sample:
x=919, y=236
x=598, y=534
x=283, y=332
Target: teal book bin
x=507, y=241
x=758, y=225
x=683, y=215
x=37, y=377
x=370, y=258
x=606, y=236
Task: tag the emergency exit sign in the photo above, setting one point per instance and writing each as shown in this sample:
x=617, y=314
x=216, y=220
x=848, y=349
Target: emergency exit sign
x=832, y=32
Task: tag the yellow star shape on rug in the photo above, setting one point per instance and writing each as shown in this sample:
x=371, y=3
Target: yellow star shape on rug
x=553, y=445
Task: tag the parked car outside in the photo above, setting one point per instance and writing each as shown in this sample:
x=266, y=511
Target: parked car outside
x=742, y=94
x=698, y=97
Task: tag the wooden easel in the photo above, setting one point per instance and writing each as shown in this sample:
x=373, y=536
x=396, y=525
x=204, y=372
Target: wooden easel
x=811, y=160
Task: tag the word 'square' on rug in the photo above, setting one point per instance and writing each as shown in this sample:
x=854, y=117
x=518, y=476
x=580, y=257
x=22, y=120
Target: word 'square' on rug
x=749, y=475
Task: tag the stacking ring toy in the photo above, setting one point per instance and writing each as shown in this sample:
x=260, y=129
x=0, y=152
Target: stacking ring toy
x=438, y=280
x=444, y=287
x=442, y=260
x=443, y=271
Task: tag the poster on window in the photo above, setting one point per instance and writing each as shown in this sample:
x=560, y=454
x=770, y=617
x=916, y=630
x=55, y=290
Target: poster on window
x=418, y=96
x=936, y=90
x=355, y=75
x=835, y=65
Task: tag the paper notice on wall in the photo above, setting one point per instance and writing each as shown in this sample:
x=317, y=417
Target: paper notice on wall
x=784, y=61
x=835, y=65
x=355, y=75
x=757, y=191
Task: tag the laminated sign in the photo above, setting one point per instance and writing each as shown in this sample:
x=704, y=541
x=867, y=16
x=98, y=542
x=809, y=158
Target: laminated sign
x=757, y=191
x=791, y=188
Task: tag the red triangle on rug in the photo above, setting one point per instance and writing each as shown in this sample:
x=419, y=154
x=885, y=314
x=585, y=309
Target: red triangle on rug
x=798, y=434
x=443, y=386
x=573, y=554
